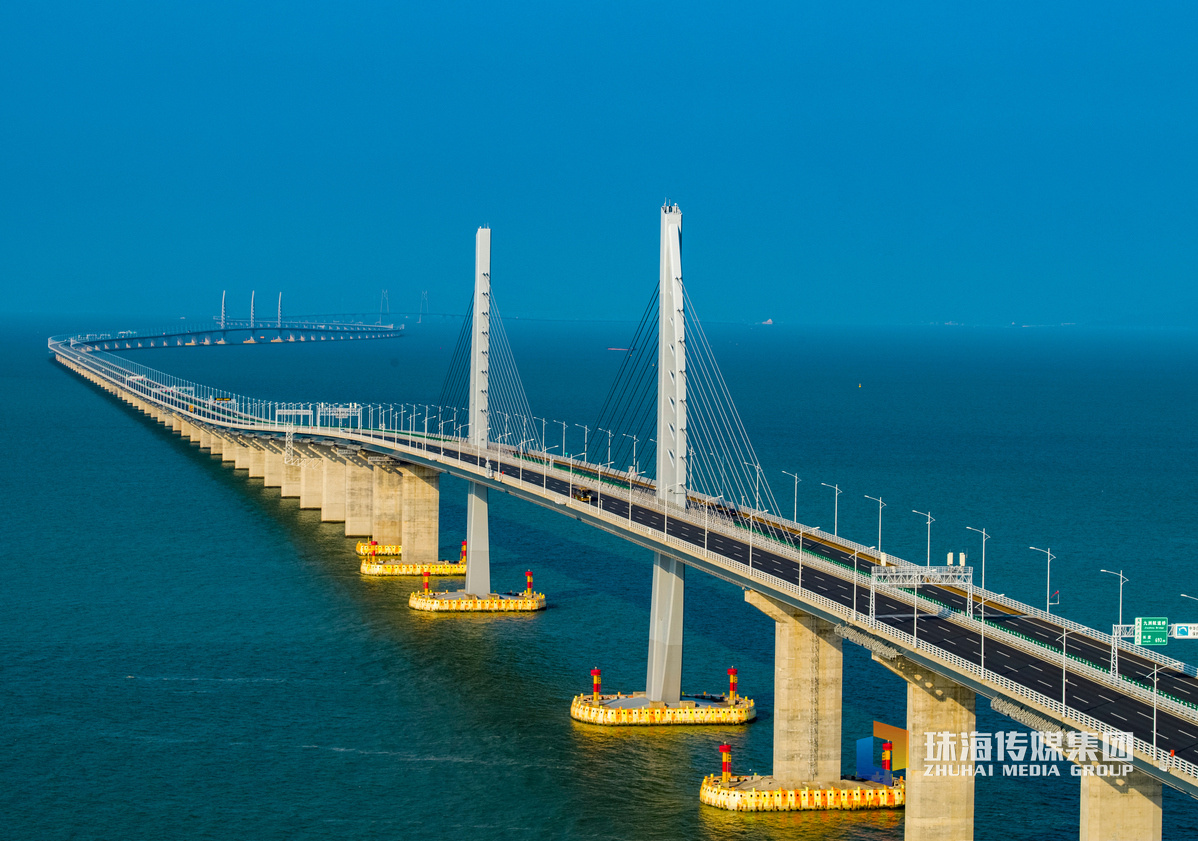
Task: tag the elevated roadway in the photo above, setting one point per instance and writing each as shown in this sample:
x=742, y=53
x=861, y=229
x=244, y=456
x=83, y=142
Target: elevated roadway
x=1044, y=665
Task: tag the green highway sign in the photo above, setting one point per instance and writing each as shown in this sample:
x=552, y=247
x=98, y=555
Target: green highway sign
x=1152, y=630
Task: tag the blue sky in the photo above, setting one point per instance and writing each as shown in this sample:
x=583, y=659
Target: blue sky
x=847, y=163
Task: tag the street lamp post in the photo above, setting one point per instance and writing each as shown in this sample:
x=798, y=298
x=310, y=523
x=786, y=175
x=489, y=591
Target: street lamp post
x=635, y=464
x=631, y=472
x=856, y=552
x=983, y=623
x=795, y=519
x=1114, y=638
x=1047, y=578
x=586, y=436
x=881, y=505
x=757, y=491
x=599, y=477
x=757, y=508
x=520, y=459
x=1155, y=669
x=563, y=423
x=813, y=528
x=1123, y=579
x=931, y=520
x=835, y=507
x=985, y=537
x=1065, y=680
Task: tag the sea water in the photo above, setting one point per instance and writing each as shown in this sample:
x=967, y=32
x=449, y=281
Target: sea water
x=186, y=654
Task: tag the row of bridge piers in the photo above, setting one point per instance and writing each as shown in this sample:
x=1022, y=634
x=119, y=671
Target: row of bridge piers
x=375, y=496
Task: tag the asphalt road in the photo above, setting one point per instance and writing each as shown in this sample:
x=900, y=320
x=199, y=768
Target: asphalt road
x=1042, y=674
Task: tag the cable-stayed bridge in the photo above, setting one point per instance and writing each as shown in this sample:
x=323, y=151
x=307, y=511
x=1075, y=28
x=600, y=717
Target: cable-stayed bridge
x=668, y=466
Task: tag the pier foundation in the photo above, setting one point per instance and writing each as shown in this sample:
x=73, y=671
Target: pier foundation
x=808, y=676
x=1121, y=808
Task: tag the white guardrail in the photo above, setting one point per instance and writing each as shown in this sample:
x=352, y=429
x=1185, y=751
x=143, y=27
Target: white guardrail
x=178, y=395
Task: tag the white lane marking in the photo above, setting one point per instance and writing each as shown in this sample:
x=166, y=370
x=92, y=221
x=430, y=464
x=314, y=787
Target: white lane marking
x=1042, y=683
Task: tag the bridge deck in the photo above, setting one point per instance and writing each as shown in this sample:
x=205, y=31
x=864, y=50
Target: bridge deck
x=817, y=572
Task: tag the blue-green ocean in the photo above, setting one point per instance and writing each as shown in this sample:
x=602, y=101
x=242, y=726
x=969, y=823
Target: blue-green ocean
x=184, y=654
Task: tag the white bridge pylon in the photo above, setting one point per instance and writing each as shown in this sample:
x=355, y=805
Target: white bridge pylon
x=663, y=681
x=478, y=542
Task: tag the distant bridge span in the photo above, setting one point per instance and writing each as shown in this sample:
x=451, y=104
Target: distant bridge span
x=237, y=331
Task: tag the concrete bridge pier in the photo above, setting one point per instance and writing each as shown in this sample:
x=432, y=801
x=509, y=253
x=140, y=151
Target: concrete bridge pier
x=478, y=541
x=216, y=443
x=663, y=677
x=291, y=480
x=205, y=438
x=241, y=453
x=808, y=676
x=1121, y=808
x=939, y=806
x=257, y=464
x=421, y=506
x=195, y=432
x=311, y=481
x=359, y=497
x=184, y=427
x=386, y=509
x=272, y=467
x=332, y=491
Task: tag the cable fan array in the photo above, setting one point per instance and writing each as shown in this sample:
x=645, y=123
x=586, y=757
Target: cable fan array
x=721, y=461
x=510, y=420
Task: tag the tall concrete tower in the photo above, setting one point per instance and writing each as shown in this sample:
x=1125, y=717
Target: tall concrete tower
x=478, y=544
x=664, y=678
